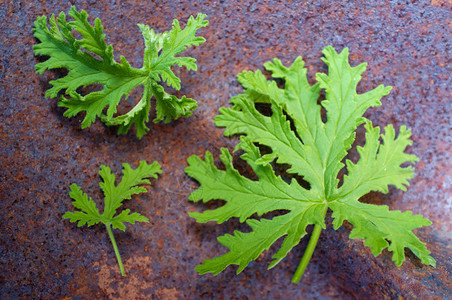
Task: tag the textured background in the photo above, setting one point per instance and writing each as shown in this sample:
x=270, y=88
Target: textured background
x=407, y=44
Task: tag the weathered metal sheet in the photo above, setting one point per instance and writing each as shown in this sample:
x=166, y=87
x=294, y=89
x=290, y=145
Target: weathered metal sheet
x=407, y=44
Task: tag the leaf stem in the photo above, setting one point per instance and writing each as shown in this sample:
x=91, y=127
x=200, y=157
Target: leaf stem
x=115, y=247
x=307, y=254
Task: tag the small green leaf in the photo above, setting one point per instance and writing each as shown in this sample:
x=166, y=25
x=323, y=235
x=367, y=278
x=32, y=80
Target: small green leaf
x=114, y=195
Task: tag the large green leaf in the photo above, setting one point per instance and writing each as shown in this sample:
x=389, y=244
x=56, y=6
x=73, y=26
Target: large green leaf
x=313, y=149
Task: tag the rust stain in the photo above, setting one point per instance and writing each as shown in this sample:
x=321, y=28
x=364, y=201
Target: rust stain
x=168, y=294
x=133, y=286
x=442, y=3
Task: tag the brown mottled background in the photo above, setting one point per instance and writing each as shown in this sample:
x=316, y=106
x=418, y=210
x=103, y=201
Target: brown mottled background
x=407, y=44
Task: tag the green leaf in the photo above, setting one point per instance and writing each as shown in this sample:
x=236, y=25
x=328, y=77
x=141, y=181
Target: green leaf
x=88, y=214
x=174, y=42
x=377, y=225
x=126, y=216
x=301, y=104
x=130, y=184
x=274, y=132
x=269, y=193
x=245, y=197
x=313, y=149
x=379, y=164
x=344, y=110
x=90, y=60
x=170, y=107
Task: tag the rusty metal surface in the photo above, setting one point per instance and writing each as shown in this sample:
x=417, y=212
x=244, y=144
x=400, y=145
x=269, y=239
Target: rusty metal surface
x=407, y=45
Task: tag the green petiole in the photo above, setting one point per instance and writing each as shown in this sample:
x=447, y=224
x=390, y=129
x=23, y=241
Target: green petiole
x=115, y=247
x=307, y=254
